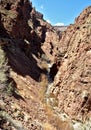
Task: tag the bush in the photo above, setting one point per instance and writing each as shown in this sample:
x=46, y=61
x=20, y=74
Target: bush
x=3, y=67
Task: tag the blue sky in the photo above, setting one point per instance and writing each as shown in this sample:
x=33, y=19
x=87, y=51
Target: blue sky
x=60, y=11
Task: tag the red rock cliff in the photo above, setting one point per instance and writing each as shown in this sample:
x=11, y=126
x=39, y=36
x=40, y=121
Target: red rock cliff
x=31, y=53
x=72, y=85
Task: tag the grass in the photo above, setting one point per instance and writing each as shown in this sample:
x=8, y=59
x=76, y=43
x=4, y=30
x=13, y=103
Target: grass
x=43, y=87
x=4, y=73
x=54, y=121
x=47, y=126
x=10, y=88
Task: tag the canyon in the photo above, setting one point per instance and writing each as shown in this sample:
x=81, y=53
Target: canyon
x=45, y=71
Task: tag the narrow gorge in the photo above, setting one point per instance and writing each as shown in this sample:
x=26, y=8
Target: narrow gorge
x=45, y=71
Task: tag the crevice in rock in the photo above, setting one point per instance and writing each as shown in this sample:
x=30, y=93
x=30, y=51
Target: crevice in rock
x=54, y=70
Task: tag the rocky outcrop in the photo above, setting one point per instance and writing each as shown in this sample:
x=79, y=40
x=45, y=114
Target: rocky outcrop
x=24, y=36
x=72, y=83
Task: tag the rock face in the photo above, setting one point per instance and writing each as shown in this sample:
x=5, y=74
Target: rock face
x=72, y=83
x=45, y=75
x=60, y=28
x=24, y=36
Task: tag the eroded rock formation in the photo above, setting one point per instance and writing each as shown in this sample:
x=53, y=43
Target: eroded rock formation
x=44, y=74
x=72, y=83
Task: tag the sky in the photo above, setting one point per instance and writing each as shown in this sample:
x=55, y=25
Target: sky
x=60, y=12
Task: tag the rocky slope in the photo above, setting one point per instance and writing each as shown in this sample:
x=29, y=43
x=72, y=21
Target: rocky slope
x=72, y=84
x=44, y=74
x=24, y=36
